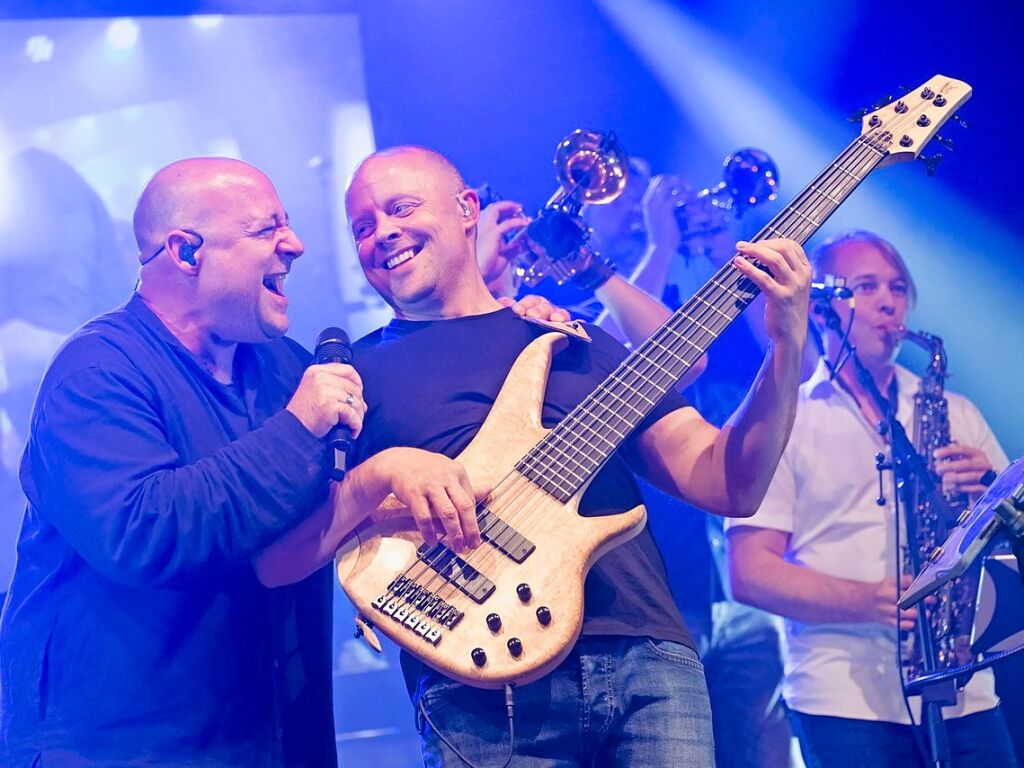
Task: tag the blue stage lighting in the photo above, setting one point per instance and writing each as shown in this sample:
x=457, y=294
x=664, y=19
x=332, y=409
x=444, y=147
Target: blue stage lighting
x=122, y=34
x=206, y=21
x=39, y=48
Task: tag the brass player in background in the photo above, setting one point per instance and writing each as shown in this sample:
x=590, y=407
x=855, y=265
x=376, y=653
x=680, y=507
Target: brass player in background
x=661, y=233
x=821, y=553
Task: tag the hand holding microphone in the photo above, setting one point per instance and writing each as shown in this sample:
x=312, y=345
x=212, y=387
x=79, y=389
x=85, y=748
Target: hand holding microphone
x=329, y=399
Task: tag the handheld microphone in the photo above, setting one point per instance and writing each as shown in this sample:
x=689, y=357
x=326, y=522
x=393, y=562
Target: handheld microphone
x=332, y=347
x=837, y=290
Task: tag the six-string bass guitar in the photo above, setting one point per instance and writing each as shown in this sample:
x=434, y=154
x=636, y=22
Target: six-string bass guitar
x=509, y=611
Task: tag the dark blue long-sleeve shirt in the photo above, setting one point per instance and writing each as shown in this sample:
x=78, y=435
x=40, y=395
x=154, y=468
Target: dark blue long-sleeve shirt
x=135, y=629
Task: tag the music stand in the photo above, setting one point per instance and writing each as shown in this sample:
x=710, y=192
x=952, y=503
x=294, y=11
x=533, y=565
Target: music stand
x=1000, y=510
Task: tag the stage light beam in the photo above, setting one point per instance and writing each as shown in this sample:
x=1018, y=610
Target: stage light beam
x=731, y=100
x=5, y=180
x=122, y=34
x=206, y=22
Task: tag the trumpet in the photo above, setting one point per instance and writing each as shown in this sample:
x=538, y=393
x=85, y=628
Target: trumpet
x=592, y=168
x=749, y=178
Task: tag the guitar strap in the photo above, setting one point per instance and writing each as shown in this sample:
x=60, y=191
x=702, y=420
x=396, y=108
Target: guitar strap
x=573, y=329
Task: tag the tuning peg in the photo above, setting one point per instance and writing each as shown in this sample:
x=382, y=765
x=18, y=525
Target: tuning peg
x=959, y=121
x=883, y=101
x=857, y=116
x=946, y=142
x=931, y=163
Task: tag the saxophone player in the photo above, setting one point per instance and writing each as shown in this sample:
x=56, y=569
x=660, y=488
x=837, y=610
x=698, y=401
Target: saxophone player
x=821, y=553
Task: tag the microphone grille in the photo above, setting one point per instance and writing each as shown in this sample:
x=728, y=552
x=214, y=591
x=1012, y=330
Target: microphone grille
x=332, y=344
x=332, y=334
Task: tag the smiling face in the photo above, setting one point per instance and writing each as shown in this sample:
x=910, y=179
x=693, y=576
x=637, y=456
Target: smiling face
x=882, y=292
x=414, y=228
x=247, y=251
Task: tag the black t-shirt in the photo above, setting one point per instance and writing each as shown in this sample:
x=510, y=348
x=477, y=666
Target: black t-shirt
x=430, y=385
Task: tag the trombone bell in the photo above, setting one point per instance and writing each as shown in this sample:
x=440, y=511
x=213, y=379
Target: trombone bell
x=592, y=168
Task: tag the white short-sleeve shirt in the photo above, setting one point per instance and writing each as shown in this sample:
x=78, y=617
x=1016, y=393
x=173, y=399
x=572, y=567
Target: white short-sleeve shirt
x=824, y=495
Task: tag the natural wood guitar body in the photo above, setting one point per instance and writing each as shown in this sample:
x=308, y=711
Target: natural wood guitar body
x=567, y=545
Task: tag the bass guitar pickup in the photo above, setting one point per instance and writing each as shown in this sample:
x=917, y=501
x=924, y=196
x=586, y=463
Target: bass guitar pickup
x=504, y=537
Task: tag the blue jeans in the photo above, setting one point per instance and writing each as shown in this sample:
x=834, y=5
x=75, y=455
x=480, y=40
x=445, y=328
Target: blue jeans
x=743, y=667
x=614, y=701
x=975, y=741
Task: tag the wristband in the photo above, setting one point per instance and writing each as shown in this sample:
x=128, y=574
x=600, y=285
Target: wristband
x=595, y=275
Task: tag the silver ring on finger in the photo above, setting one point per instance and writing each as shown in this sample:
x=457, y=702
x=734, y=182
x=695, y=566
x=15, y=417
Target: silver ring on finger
x=349, y=399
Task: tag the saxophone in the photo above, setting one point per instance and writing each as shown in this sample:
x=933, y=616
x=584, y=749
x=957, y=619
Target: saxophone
x=930, y=516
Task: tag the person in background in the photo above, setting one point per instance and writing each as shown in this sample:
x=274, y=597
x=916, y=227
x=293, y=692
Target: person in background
x=59, y=266
x=821, y=553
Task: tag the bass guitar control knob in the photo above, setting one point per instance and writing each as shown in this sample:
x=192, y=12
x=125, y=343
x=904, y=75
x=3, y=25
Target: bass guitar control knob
x=515, y=646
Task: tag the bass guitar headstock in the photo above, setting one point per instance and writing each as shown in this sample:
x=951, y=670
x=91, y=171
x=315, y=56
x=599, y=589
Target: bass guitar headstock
x=903, y=127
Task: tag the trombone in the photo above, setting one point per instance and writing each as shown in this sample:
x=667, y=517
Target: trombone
x=592, y=169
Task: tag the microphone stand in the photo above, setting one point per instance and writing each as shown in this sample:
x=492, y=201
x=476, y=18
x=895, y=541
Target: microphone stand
x=906, y=464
